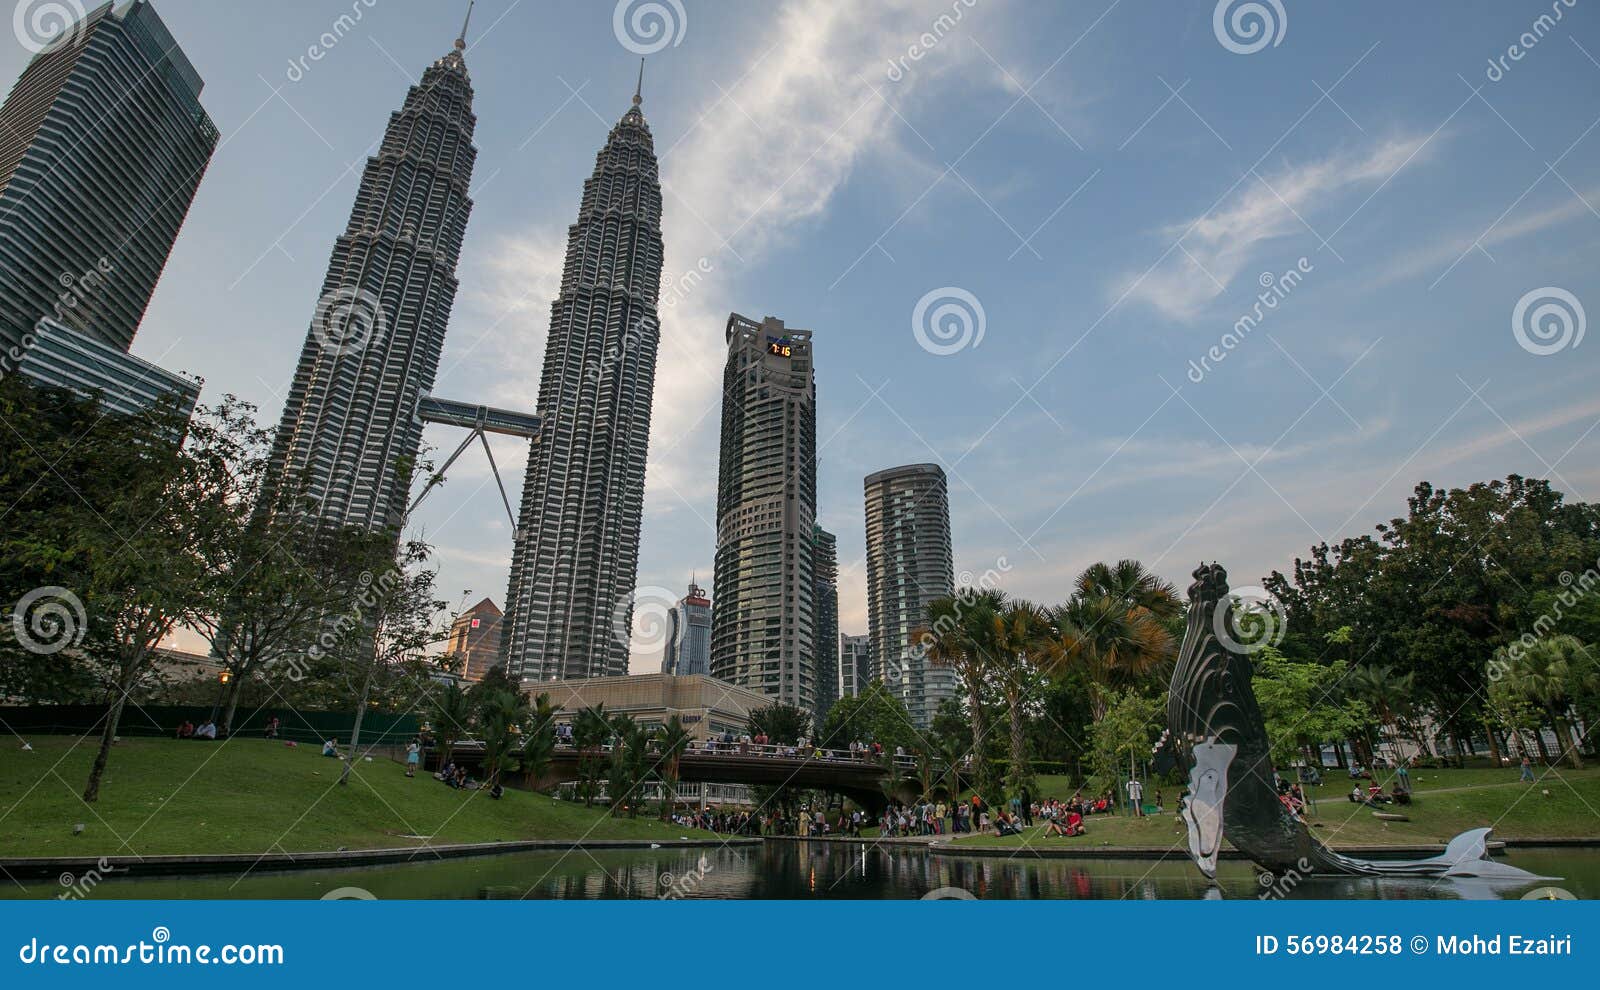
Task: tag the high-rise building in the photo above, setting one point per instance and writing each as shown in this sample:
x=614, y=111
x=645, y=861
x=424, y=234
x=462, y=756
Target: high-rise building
x=909, y=564
x=64, y=358
x=350, y=431
x=825, y=599
x=855, y=665
x=577, y=551
x=475, y=640
x=102, y=145
x=763, y=633
x=688, y=648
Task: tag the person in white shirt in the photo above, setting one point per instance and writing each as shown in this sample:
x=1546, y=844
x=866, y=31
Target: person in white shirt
x=1136, y=797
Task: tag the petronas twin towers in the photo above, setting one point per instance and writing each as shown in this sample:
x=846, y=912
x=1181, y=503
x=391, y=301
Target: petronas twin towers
x=350, y=426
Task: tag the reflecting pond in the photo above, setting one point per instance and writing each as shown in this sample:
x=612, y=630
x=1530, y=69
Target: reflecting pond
x=814, y=870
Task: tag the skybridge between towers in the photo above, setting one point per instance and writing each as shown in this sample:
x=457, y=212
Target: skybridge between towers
x=479, y=421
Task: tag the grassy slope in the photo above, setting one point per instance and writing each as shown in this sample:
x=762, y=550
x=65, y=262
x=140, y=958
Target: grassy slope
x=1447, y=802
x=249, y=795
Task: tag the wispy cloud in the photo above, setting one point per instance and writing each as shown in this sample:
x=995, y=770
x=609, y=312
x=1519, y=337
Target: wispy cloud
x=1215, y=247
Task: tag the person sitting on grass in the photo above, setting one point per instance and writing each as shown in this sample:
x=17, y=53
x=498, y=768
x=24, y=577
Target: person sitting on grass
x=186, y=730
x=330, y=748
x=208, y=730
x=1007, y=824
x=1071, y=827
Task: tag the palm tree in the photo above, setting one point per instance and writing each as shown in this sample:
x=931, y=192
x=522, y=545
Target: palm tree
x=672, y=740
x=958, y=627
x=951, y=754
x=540, y=747
x=452, y=713
x=502, y=716
x=1022, y=635
x=1115, y=627
x=1549, y=674
x=1387, y=693
x=590, y=731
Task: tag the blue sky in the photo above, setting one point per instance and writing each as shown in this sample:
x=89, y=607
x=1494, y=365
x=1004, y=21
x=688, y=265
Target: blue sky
x=1111, y=183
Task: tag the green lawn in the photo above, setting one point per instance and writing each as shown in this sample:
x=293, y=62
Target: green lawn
x=1447, y=802
x=249, y=795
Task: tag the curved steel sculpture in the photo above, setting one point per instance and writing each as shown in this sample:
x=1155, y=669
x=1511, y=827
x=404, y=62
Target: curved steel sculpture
x=1217, y=725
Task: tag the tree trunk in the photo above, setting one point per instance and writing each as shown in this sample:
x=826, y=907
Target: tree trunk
x=355, y=729
x=1338, y=755
x=91, y=791
x=1019, y=743
x=1494, y=743
x=230, y=705
x=1538, y=740
x=979, y=733
x=1569, y=750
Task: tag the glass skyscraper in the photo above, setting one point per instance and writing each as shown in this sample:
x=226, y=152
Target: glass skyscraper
x=688, y=649
x=576, y=556
x=763, y=632
x=825, y=599
x=103, y=143
x=909, y=564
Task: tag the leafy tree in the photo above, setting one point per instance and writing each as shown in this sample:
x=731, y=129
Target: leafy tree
x=502, y=718
x=1022, y=636
x=629, y=764
x=873, y=716
x=105, y=515
x=1115, y=629
x=539, y=748
x=1124, y=734
x=782, y=723
x=1550, y=674
x=958, y=635
x=1302, y=704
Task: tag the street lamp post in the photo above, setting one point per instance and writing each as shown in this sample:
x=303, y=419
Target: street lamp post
x=222, y=687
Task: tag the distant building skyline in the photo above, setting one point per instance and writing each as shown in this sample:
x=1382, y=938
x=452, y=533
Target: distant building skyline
x=855, y=664
x=475, y=639
x=103, y=136
x=576, y=557
x=825, y=604
x=350, y=436
x=688, y=649
x=763, y=634
x=909, y=564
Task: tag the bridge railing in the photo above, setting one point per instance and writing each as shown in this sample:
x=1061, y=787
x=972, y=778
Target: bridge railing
x=774, y=751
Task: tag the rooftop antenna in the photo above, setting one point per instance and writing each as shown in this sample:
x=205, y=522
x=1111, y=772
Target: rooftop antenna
x=461, y=41
x=638, y=91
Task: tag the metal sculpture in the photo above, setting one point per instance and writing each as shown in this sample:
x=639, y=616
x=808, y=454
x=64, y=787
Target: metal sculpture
x=1217, y=725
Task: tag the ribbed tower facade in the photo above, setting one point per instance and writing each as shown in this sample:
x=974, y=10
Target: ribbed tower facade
x=763, y=630
x=350, y=432
x=909, y=564
x=576, y=557
x=103, y=143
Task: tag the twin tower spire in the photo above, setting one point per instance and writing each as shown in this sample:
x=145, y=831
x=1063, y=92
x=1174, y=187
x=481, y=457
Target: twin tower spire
x=461, y=46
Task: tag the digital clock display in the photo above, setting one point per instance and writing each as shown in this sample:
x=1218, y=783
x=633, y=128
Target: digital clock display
x=782, y=348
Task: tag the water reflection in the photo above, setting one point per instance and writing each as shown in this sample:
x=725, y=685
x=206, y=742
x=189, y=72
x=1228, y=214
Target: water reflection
x=824, y=871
